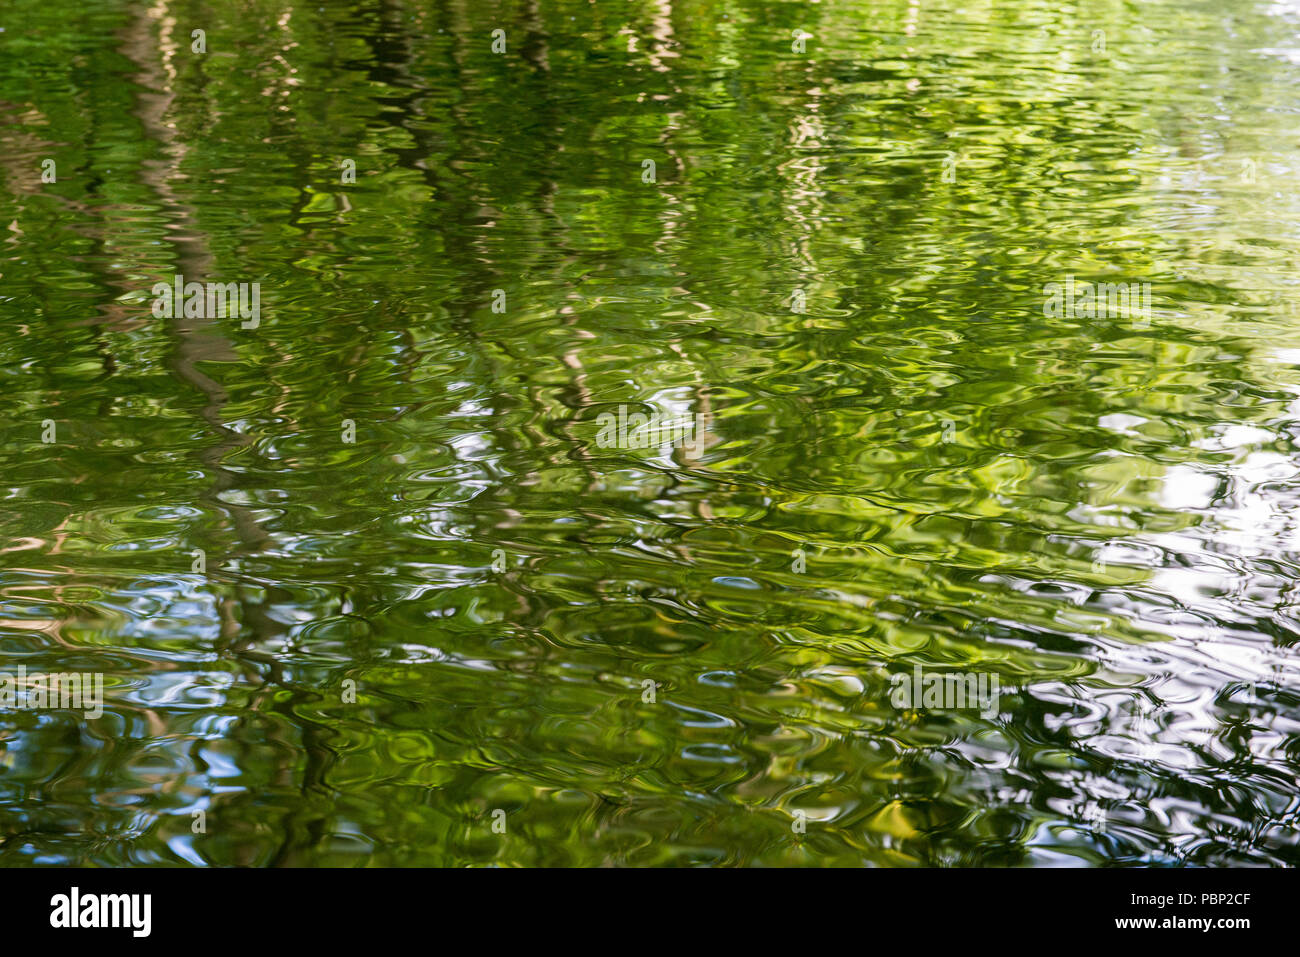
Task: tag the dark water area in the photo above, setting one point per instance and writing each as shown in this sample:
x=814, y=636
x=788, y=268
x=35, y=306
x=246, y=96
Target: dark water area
x=368, y=584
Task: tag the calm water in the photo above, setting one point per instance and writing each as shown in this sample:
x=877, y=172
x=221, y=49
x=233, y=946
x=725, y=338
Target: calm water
x=840, y=265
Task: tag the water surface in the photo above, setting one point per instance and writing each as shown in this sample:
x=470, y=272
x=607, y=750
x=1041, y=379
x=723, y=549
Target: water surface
x=1100, y=511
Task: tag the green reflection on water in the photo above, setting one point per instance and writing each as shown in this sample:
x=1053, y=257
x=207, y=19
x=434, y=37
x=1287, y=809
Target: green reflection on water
x=661, y=655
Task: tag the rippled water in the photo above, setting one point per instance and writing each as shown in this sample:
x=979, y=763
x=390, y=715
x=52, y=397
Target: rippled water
x=920, y=468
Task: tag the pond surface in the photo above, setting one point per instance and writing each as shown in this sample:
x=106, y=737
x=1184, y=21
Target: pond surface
x=366, y=583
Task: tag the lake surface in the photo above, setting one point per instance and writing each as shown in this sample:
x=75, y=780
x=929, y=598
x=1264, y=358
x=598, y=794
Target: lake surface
x=367, y=585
